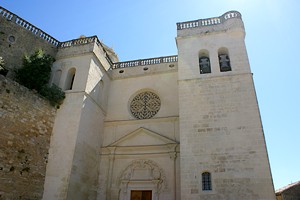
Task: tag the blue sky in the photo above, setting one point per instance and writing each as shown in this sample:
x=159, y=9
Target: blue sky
x=144, y=29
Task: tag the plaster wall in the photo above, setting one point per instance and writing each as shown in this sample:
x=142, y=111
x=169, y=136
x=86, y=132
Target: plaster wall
x=84, y=173
x=80, y=123
x=82, y=66
x=119, y=123
x=123, y=90
x=62, y=147
x=85, y=167
x=98, y=84
x=119, y=120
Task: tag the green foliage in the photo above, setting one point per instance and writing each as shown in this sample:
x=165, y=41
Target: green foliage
x=35, y=74
x=36, y=69
x=54, y=94
x=1, y=62
x=3, y=70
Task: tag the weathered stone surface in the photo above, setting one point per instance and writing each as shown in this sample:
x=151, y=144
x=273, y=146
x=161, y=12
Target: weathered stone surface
x=25, y=130
x=289, y=192
x=25, y=43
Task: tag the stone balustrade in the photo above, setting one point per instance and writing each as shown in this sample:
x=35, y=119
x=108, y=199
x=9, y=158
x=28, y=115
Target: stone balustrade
x=86, y=40
x=28, y=26
x=149, y=61
x=79, y=41
x=6, y=14
x=209, y=21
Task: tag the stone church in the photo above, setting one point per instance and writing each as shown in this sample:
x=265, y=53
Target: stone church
x=184, y=126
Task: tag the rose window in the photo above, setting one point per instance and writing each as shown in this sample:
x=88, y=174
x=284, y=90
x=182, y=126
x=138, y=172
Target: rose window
x=145, y=105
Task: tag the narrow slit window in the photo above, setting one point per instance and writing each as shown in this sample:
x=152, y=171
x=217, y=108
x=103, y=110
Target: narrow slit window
x=70, y=79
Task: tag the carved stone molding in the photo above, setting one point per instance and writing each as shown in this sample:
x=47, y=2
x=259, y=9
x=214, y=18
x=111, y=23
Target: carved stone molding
x=144, y=170
x=173, y=155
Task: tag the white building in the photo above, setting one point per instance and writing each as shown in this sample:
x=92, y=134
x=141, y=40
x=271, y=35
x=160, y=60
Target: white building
x=176, y=127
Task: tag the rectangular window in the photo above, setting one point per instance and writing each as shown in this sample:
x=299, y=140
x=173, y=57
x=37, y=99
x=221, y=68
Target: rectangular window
x=204, y=65
x=206, y=181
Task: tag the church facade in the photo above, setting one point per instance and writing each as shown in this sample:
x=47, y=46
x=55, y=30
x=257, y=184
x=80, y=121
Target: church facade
x=185, y=126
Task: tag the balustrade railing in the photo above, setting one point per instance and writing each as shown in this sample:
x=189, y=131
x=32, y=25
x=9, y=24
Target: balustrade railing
x=79, y=41
x=6, y=14
x=86, y=40
x=142, y=62
x=209, y=21
x=28, y=26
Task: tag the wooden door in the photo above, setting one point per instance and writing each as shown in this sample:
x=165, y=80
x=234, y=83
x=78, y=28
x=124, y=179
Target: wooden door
x=141, y=195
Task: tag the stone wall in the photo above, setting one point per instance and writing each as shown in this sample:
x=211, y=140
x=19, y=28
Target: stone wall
x=17, y=41
x=289, y=192
x=25, y=130
x=222, y=135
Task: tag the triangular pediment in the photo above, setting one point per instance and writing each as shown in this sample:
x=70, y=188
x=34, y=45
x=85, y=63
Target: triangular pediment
x=142, y=137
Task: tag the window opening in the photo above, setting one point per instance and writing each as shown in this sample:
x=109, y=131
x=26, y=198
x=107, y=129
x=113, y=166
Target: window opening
x=70, y=79
x=206, y=181
x=224, y=63
x=204, y=65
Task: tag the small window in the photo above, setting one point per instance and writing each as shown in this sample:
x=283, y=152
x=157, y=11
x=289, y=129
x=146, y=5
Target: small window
x=11, y=39
x=224, y=60
x=206, y=181
x=70, y=79
x=224, y=63
x=204, y=64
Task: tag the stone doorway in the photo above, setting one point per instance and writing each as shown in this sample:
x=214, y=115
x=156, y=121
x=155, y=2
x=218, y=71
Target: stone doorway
x=141, y=195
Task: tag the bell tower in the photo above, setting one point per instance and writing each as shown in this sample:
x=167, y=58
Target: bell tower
x=222, y=145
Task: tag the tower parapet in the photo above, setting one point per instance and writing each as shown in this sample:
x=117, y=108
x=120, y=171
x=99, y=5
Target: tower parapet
x=89, y=40
x=213, y=24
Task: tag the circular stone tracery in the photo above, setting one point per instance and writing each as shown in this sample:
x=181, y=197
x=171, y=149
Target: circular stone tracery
x=145, y=105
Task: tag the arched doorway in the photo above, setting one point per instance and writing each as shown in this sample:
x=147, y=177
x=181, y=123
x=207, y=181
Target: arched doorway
x=142, y=180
